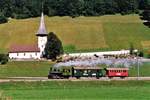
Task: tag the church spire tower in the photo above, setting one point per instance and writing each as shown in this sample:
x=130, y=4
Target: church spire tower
x=42, y=30
x=42, y=35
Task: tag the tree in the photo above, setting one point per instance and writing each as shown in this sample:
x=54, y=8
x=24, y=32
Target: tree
x=53, y=47
x=146, y=15
x=131, y=49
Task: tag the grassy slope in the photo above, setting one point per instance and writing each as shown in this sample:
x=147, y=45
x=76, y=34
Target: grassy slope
x=94, y=90
x=82, y=33
x=14, y=69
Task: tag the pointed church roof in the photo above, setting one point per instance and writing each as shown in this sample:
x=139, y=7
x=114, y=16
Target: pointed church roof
x=42, y=29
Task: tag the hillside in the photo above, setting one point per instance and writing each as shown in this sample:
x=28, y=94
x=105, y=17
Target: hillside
x=111, y=32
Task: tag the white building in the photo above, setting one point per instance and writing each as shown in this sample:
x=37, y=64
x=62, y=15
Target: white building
x=90, y=54
x=31, y=51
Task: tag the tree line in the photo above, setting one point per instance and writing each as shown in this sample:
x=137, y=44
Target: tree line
x=32, y=8
x=145, y=15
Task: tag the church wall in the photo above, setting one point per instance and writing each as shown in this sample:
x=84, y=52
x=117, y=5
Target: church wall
x=41, y=43
x=25, y=55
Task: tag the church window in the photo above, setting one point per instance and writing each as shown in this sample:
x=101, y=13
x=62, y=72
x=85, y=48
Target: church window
x=36, y=53
x=24, y=54
x=17, y=54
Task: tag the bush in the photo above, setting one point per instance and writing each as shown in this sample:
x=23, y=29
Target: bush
x=140, y=54
x=148, y=56
x=3, y=58
x=3, y=19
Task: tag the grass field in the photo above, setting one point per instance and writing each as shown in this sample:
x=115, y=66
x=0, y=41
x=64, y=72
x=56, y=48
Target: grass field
x=144, y=70
x=110, y=32
x=41, y=69
x=25, y=69
x=67, y=90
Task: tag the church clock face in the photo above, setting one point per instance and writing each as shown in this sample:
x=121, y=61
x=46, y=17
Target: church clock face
x=41, y=40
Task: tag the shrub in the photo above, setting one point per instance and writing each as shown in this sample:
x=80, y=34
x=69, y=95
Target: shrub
x=3, y=58
x=148, y=55
x=140, y=54
x=3, y=19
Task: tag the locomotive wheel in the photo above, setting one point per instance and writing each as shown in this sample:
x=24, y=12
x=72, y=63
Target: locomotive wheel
x=78, y=77
x=97, y=77
x=110, y=77
x=56, y=77
x=122, y=77
x=66, y=77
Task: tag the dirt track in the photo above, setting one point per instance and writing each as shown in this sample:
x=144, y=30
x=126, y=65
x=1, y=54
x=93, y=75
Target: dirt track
x=32, y=79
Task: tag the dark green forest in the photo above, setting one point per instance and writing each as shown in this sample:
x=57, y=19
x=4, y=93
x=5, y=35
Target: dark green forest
x=21, y=9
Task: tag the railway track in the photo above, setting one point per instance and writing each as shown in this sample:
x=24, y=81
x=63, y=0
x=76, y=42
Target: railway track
x=34, y=79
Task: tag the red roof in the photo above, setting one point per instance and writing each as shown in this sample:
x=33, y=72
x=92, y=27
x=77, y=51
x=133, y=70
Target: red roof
x=117, y=68
x=87, y=68
x=24, y=48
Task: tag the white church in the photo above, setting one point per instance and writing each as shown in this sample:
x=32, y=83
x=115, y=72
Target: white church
x=31, y=51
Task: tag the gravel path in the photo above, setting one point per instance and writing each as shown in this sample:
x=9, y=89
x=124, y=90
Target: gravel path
x=32, y=79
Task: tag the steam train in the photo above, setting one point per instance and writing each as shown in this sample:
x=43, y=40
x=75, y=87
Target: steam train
x=77, y=72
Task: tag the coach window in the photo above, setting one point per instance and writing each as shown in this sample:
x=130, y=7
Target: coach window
x=75, y=71
x=68, y=70
x=85, y=71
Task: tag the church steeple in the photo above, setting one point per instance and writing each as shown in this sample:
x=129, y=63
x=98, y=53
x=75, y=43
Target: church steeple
x=42, y=35
x=42, y=29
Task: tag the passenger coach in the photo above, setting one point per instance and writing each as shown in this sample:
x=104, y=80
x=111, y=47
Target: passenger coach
x=117, y=72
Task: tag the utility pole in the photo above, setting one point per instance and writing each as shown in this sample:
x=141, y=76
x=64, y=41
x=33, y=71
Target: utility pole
x=138, y=69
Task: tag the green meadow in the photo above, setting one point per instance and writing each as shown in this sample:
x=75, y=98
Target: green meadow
x=41, y=69
x=110, y=32
x=25, y=69
x=76, y=90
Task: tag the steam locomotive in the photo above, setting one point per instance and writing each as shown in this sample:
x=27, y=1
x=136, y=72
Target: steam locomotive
x=97, y=72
